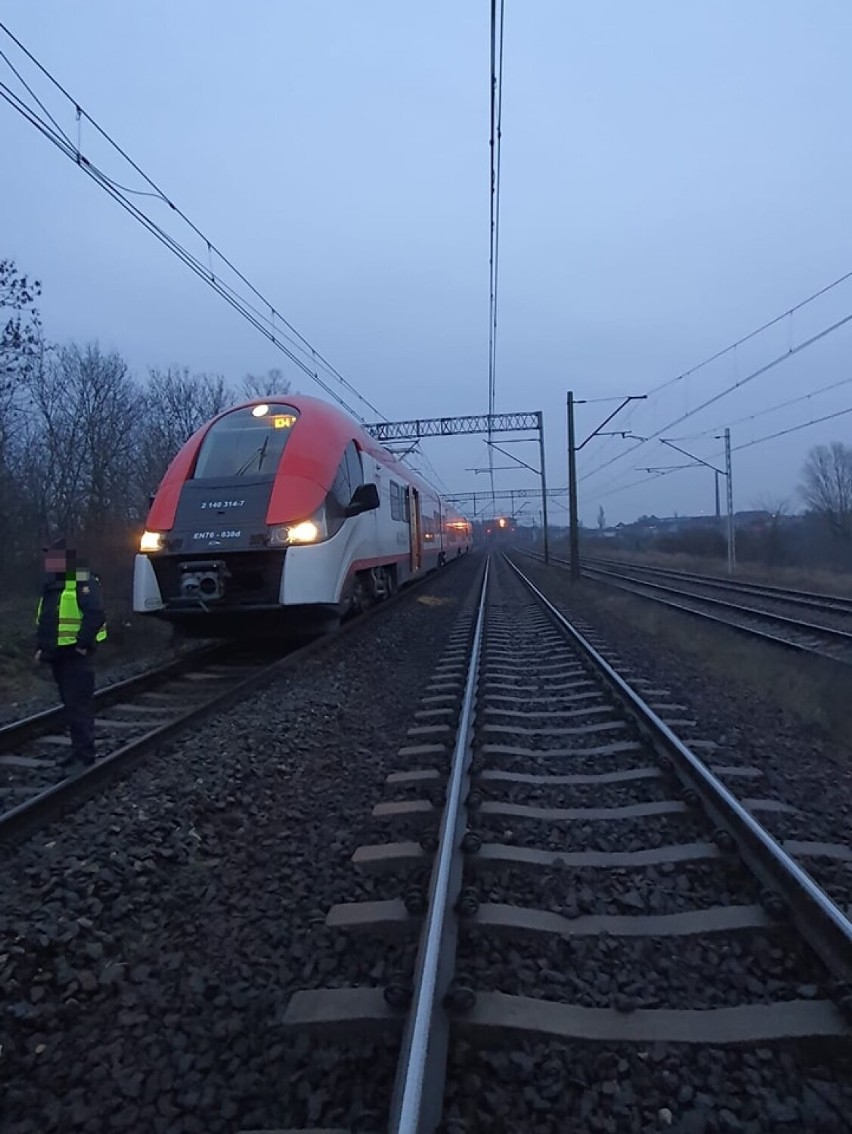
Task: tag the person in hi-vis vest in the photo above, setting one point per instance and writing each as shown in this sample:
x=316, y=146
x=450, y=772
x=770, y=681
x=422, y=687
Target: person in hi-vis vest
x=70, y=622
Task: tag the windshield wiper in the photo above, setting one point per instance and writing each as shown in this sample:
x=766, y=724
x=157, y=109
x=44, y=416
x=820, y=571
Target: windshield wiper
x=258, y=454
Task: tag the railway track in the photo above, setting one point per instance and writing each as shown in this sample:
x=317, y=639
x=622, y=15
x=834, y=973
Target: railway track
x=585, y=889
x=819, y=602
x=688, y=594
x=134, y=717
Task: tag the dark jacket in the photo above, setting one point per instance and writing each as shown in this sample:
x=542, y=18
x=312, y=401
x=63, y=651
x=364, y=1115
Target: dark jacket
x=91, y=605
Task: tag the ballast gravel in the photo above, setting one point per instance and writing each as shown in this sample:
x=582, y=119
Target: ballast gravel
x=690, y=972
x=664, y=889
x=150, y=942
x=801, y=765
x=599, y=835
x=564, y=1088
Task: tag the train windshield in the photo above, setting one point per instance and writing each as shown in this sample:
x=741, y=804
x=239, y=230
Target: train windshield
x=245, y=442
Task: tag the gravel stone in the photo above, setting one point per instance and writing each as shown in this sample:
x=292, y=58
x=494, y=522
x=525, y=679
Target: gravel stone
x=167, y=922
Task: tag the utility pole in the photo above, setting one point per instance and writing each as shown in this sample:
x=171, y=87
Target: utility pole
x=732, y=555
x=732, y=552
x=573, y=519
x=573, y=450
x=541, y=472
x=543, y=487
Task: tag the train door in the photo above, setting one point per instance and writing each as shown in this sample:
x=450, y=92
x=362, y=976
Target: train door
x=415, y=528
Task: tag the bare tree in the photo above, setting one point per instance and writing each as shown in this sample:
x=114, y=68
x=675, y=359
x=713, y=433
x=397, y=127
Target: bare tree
x=827, y=486
x=20, y=348
x=81, y=439
x=777, y=508
x=175, y=404
x=20, y=335
x=266, y=385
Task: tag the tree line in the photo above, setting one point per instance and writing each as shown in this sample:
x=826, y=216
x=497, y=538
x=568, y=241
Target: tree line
x=84, y=441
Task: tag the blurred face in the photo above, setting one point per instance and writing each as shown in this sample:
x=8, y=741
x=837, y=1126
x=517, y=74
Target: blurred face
x=55, y=562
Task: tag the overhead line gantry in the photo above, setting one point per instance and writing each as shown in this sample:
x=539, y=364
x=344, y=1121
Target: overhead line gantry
x=415, y=429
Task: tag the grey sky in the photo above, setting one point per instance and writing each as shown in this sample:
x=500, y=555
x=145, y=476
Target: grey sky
x=674, y=174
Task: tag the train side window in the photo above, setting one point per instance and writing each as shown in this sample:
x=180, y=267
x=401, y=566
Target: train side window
x=395, y=501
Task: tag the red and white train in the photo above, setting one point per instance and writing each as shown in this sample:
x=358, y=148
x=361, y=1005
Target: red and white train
x=285, y=514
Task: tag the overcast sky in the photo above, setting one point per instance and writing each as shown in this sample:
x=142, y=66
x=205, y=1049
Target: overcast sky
x=674, y=175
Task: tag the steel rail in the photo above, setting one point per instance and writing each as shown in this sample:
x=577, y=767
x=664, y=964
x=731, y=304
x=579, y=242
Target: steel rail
x=840, y=637
x=53, y=801
x=818, y=919
x=750, y=610
x=818, y=600
x=630, y=585
x=407, y=1105
x=13, y=732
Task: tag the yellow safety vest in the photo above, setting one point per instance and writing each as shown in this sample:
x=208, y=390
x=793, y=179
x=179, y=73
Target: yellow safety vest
x=70, y=617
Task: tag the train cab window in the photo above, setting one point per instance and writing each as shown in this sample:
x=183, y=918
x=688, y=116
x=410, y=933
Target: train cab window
x=353, y=462
x=245, y=442
x=346, y=480
x=340, y=492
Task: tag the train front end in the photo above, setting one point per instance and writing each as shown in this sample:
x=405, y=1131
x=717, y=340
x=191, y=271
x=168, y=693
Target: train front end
x=225, y=518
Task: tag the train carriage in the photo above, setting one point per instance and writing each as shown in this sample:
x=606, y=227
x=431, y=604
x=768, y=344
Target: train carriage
x=283, y=514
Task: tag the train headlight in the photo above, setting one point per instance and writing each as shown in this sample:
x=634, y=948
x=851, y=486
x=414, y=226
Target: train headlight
x=304, y=531
x=151, y=541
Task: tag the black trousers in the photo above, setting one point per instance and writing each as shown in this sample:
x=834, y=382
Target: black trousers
x=75, y=678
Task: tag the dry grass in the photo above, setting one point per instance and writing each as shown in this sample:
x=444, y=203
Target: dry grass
x=131, y=638
x=815, y=691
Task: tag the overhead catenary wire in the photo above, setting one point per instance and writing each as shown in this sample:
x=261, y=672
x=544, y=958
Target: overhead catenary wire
x=776, y=361
x=791, y=429
x=182, y=253
x=752, y=334
x=495, y=148
x=496, y=93
x=716, y=430
x=262, y=322
x=655, y=391
x=611, y=491
x=768, y=410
